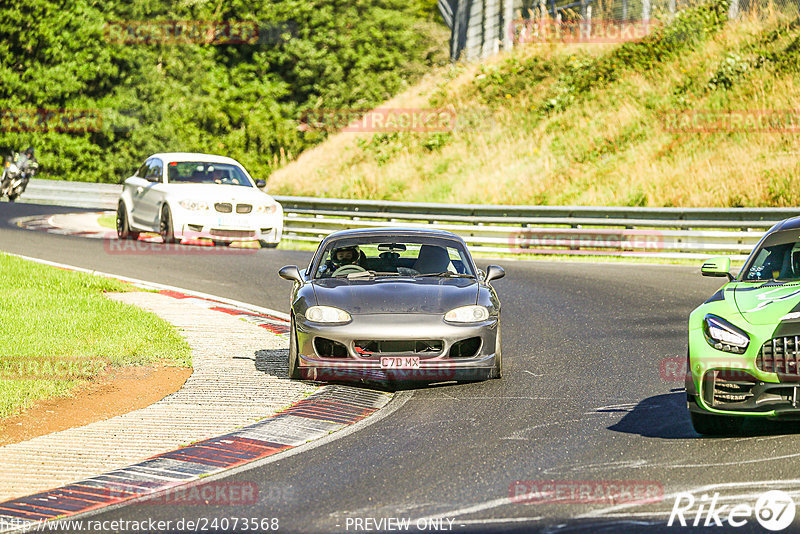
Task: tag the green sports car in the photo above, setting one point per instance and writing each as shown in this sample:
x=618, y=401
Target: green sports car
x=744, y=341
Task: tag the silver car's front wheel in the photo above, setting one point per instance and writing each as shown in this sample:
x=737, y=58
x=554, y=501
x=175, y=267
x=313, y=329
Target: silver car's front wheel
x=497, y=372
x=294, y=367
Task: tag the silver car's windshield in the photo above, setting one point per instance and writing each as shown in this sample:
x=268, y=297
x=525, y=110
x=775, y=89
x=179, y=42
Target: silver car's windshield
x=203, y=172
x=394, y=257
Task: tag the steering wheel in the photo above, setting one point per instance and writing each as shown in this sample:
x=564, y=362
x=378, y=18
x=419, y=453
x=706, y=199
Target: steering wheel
x=348, y=269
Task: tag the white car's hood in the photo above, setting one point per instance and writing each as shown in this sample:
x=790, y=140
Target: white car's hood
x=217, y=193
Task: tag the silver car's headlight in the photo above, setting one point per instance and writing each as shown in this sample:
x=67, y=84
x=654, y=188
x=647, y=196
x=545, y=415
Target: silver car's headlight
x=195, y=205
x=268, y=209
x=327, y=314
x=467, y=314
x=724, y=336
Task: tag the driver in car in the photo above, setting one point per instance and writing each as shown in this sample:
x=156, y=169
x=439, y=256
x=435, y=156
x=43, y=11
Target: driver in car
x=350, y=255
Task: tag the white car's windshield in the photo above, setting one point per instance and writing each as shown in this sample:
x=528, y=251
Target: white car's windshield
x=203, y=172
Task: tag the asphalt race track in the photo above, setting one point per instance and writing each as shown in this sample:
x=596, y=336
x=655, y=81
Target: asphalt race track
x=590, y=393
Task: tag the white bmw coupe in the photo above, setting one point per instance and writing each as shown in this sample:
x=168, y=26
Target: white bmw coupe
x=197, y=196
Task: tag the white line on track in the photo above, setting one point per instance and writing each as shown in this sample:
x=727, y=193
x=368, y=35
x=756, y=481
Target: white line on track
x=496, y=503
x=154, y=285
x=498, y=520
x=602, y=512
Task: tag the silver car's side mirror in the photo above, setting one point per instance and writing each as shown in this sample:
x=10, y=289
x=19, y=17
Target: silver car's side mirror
x=494, y=272
x=292, y=273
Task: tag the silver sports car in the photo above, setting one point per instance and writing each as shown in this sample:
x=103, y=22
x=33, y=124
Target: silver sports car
x=392, y=304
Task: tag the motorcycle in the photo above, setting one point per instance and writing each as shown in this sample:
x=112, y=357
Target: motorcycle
x=17, y=172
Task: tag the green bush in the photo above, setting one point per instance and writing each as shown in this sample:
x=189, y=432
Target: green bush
x=242, y=100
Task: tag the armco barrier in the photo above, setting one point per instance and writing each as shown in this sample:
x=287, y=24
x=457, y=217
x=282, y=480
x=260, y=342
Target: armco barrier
x=573, y=230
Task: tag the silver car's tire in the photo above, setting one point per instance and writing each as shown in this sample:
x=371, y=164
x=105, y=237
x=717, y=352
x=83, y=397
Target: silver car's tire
x=294, y=366
x=497, y=371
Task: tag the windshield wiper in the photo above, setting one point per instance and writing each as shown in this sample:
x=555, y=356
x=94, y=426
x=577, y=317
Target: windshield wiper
x=445, y=274
x=370, y=274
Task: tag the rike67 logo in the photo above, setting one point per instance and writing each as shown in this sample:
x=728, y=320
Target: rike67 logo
x=773, y=510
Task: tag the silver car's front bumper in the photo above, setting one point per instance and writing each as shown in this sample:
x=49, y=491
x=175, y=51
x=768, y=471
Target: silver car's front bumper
x=355, y=365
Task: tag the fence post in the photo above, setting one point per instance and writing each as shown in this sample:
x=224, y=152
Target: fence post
x=491, y=28
x=458, y=35
x=733, y=9
x=508, y=24
x=645, y=11
x=624, y=10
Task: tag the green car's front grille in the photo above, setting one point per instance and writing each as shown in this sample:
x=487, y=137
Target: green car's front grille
x=780, y=355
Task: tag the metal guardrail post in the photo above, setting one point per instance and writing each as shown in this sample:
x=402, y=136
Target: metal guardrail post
x=659, y=232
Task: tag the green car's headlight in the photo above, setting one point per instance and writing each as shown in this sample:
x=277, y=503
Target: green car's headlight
x=327, y=314
x=724, y=336
x=467, y=314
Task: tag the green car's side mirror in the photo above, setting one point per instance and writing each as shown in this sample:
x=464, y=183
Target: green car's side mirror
x=719, y=266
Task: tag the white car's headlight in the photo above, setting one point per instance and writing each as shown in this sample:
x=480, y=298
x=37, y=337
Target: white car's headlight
x=195, y=205
x=467, y=314
x=268, y=209
x=327, y=314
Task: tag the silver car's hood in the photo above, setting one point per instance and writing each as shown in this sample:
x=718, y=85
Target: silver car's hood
x=396, y=295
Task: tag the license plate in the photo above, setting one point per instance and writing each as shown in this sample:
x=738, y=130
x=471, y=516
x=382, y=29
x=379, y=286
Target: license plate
x=236, y=222
x=400, y=362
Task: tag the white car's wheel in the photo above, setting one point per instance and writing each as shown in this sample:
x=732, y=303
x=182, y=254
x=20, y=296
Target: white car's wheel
x=166, y=229
x=123, y=227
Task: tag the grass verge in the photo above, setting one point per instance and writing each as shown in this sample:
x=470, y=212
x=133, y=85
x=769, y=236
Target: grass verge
x=58, y=331
x=593, y=124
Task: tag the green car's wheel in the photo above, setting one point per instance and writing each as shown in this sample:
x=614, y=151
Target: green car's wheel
x=294, y=367
x=716, y=425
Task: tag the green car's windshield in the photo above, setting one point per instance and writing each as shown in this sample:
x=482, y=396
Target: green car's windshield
x=778, y=258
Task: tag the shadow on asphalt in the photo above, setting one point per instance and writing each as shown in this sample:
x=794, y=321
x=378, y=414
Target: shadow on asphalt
x=274, y=362
x=666, y=417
